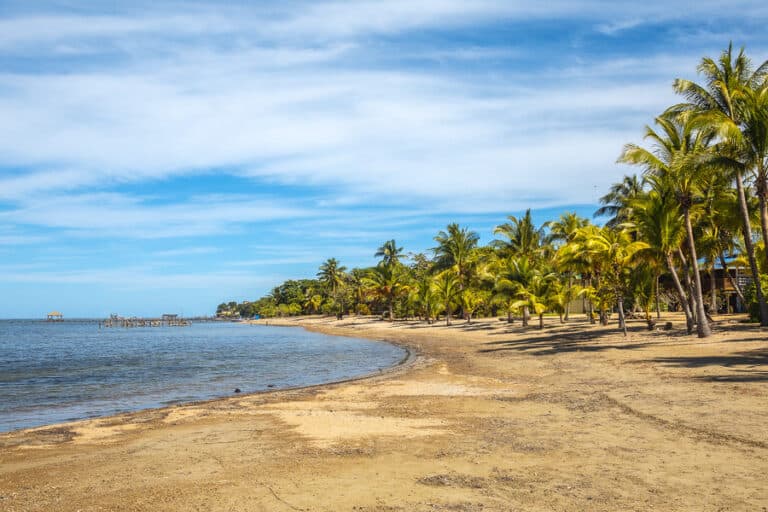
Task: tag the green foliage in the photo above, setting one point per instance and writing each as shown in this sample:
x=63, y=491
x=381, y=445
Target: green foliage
x=750, y=296
x=684, y=205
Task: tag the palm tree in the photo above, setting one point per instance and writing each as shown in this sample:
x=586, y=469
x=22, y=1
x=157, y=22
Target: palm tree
x=447, y=290
x=657, y=218
x=616, y=203
x=388, y=283
x=615, y=249
x=522, y=285
x=719, y=104
x=389, y=252
x=563, y=231
x=675, y=162
x=331, y=274
x=455, y=250
x=522, y=236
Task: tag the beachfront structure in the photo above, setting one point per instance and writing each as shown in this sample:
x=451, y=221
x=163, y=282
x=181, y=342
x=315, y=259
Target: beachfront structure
x=55, y=316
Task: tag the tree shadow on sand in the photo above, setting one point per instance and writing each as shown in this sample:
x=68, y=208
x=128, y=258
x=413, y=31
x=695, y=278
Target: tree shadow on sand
x=748, y=366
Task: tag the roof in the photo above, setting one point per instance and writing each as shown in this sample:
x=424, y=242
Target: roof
x=55, y=313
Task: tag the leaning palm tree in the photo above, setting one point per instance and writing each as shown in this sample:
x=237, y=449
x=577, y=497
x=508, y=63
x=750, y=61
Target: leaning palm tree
x=719, y=104
x=676, y=162
x=657, y=219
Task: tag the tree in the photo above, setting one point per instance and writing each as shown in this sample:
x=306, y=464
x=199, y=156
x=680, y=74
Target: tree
x=522, y=236
x=657, y=219
x=389, y=252
x=332, y=275
x=563, y=231
x=676, y=163
x=617, y=202
x=614, y=249
x=455, y=250
x=720, y=106
x=447, y=289
x=388, y=283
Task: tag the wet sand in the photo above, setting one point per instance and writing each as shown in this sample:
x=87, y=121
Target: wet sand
x=488, y=417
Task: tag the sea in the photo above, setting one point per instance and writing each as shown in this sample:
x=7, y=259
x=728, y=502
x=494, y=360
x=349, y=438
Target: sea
x=53, y=372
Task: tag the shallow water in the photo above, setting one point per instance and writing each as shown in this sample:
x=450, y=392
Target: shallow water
x=52, y=372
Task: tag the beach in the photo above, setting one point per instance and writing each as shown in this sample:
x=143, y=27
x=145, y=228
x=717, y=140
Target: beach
x=485, y=416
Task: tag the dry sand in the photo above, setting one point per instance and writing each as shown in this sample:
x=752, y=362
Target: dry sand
x=488, y=417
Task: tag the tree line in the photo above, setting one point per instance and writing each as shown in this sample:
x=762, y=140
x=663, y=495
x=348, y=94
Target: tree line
x=700, y=199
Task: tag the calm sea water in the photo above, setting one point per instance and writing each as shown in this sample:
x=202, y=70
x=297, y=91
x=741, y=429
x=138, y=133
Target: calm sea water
x=55, y=372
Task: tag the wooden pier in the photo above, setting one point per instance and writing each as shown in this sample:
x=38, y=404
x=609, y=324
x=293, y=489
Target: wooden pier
x=166, y=320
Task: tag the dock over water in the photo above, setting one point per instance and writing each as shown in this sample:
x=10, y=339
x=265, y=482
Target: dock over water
x=167, y=320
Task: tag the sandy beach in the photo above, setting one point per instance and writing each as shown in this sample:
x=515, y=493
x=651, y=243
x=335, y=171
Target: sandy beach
x=487, y=416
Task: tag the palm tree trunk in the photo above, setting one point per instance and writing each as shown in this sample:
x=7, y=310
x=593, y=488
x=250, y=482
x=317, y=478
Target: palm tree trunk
x=702, y=324
x=713, y=289
x=622, y=320
x=526, y=316
x=762, y=190
x=541, y=320
x=447, y=315
x=733, y=281
x=509, y=316
x=688, y=284
x=568, y=304
x=747, y=231
x=681, y=293
x=658, y=300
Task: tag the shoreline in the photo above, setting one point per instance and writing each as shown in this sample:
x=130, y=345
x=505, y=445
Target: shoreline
x=410, y=358
x=488, y=416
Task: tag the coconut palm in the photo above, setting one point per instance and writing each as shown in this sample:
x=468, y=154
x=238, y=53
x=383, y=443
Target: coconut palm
x=456, y=250
x=719, y=104
x=521, y=237
x=658, y=221
x=563, y=231
x=332, y=276
x=447, y=290
x=675, y=162
x=389, y=252
x=388, y=283
x=616, y=203
x=615, y=250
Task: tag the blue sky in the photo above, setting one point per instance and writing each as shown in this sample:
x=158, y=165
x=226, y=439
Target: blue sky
x=167, y=156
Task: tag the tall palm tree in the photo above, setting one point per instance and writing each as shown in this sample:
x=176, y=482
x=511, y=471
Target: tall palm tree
x=719, y=104
x=522, y=237
x=456, y=250
x=331, y=274
x=616, y=203
x=389, y=252
x=657, y=218
x=675, y=162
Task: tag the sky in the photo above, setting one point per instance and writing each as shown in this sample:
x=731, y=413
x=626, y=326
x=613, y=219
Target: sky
x=163, y=157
